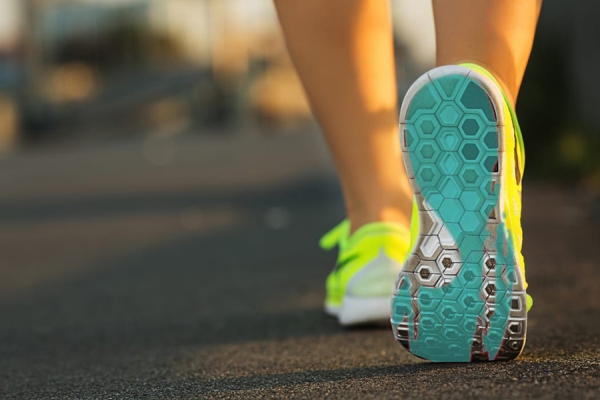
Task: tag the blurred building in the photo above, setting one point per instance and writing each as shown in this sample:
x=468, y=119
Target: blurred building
x=90, y=69
x=9, y=73
x=85, y=68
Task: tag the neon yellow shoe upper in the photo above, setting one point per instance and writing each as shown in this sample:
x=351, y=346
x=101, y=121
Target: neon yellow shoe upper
x=368, y=263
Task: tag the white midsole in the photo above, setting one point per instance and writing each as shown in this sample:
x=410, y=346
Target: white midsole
x=361, y=310
x=332, y=310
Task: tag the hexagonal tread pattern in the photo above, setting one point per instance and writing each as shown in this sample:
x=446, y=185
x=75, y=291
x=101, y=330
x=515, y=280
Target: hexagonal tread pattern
x=459, y=300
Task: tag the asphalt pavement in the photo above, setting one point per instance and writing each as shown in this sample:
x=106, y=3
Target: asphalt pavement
x=189, y=268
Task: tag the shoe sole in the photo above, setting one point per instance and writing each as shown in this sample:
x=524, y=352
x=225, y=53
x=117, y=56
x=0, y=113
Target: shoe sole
x=460, y=296
x=361, y=311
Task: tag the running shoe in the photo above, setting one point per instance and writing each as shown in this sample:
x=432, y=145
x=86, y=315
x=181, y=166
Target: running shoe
x=461, y=296
x=361, y=284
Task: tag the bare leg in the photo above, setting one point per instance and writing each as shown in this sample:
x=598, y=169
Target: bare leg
x=343, y=51
x=496, y=34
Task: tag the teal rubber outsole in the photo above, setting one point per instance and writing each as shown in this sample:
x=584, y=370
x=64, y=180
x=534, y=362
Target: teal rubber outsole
x=460, y=295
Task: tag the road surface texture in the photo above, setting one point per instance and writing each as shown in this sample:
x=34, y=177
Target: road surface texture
x=188, y=268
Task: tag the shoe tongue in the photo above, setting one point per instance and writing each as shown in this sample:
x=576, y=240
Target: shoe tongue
x=379, y=229
x=336, y=236
x=513, y=117
x=340, y=234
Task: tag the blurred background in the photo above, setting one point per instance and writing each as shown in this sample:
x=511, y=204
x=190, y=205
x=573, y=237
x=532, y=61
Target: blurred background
x=93, y=71
x=163, y=187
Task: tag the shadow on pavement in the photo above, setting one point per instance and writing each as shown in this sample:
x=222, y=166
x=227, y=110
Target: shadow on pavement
x=237, y=310
x=244, y=283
